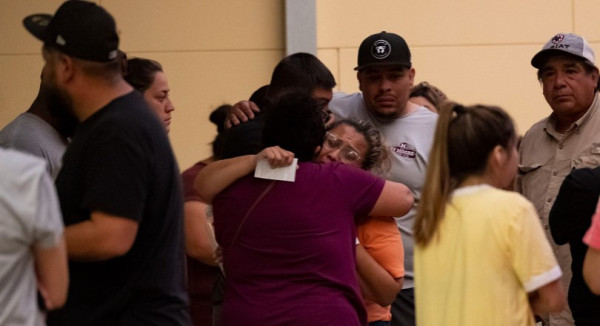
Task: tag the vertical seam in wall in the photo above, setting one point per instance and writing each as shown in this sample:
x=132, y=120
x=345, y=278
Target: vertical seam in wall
x=339, y=70
x=573, y=17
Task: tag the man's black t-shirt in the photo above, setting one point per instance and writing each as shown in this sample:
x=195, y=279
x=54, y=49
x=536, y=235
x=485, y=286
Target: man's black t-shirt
x=120, y=162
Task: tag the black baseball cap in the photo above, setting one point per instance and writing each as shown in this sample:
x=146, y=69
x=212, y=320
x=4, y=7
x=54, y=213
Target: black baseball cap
x=79, y=28
x=383, y=49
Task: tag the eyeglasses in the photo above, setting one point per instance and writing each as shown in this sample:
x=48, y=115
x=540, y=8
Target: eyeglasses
x=347, y=153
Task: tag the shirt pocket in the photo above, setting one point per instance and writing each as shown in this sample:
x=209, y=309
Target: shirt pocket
x=526, y=176
x=525, y=169
x=590, y=158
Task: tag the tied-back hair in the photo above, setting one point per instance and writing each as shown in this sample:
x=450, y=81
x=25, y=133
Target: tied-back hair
x=217, y=117
x=464, y=139
x=295, y=123
x=140, y=72
x=377, y=157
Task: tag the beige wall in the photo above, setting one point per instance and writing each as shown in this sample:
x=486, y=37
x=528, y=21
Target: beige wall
x=220, y=51
x=475, y=51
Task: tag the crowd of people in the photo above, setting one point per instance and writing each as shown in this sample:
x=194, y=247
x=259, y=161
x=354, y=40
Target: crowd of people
x=401, y=210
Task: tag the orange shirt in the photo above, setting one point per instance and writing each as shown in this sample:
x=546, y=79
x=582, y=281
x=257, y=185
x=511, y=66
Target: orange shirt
x=382, y=240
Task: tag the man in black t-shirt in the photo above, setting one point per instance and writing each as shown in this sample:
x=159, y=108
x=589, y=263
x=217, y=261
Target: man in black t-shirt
x=119, y=186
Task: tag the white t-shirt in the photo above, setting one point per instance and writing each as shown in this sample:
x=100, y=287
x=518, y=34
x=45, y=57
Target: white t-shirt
x=29, y=217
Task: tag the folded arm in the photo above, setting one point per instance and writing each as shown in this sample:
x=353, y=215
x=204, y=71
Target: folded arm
x=102, y=237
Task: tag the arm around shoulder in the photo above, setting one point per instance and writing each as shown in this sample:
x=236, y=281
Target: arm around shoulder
x=395, y=200
x=218, y=175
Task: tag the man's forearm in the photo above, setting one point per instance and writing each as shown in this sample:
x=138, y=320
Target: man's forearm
x=100, y=238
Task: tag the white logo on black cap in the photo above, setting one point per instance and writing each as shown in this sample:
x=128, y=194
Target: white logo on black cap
x=381, y=49
x=60, y=40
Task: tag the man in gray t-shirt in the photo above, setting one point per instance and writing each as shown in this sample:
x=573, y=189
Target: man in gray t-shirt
x=385, y=77
x=42, y=131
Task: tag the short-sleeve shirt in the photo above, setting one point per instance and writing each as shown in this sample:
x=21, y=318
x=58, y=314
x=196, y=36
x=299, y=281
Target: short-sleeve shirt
x=29, y=217
x=481, y=263
x=592, y=236
x=293, y=262
x=120, y=163
x=380, y=237
x=30, y=134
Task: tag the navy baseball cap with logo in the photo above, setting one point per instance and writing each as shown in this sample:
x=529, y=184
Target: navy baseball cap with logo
x=564, y=43
x=80, y=29
x=383, y=49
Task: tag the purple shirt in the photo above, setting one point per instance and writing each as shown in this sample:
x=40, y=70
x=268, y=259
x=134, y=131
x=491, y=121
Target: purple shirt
x=293, y=262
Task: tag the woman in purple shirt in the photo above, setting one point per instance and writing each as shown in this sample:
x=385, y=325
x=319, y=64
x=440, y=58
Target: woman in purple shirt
x=291, y=260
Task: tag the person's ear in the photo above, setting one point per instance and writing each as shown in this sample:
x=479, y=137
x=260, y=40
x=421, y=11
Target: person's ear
x=65, y=68
x=411, y=76
x=595, y=76
x=358, y=77
x=318, y=150
x=498, y=156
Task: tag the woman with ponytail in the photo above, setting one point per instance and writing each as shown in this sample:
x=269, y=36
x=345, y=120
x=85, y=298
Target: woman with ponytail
x=481, y=257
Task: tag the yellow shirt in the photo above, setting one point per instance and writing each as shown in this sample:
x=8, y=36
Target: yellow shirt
x=489, y=252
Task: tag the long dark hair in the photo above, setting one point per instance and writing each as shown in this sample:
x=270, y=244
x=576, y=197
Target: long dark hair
x=140, y=72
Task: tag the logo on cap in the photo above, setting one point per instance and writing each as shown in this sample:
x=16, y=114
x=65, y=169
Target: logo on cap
x=113, y=54
x=558, y=38
x=60, y=40
x=381, y=49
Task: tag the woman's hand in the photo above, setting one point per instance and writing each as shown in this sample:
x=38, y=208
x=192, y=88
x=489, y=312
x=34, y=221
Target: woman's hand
x=276, y=156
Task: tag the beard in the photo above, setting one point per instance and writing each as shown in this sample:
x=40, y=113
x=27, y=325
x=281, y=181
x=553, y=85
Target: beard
x=384, y=116
x=60, y=106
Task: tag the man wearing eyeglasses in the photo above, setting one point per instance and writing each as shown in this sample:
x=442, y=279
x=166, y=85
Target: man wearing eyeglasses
x=385, y=76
